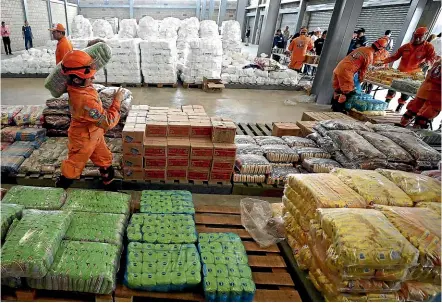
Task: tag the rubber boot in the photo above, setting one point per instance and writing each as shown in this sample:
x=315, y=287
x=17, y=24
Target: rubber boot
x=107, y=175
x=63, y=182
x=399, y=107
x=421, y=122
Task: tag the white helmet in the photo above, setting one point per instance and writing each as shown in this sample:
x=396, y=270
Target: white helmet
x=318, y=29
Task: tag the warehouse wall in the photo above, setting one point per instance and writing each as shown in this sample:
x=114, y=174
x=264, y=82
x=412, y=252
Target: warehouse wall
x=39, y=21
x=100, y=13
x=72, y=12
x=58, y=15
x=160, y=14
x=13, y=14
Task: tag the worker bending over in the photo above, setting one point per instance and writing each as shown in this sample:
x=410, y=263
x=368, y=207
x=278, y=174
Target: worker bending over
x=299, y=47
x=89, y=121
x=357, y=61
x=426, y=106
x=414, y=56
x=64, y=46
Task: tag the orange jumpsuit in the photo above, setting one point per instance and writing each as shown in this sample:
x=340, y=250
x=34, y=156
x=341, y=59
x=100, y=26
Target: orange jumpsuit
x=64, y=46
x=299, y=47
x=427, y=104
x=357, y=61
x=412, y=56
x=89, y=122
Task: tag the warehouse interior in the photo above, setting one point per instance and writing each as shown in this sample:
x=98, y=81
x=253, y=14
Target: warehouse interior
x=221, y=150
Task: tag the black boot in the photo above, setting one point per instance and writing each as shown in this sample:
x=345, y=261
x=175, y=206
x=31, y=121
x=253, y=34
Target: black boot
x=107, y=174
x=63, y=182
x=399, y=107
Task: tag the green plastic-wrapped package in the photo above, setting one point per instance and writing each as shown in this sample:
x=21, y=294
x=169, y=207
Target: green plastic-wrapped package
x=8, y=213
x=30, y=248
x=97, y=201
x=56, y=82
x=44, y=198
x=95, y=227
x=82, y=266
x=164, y=228
x=166, y=202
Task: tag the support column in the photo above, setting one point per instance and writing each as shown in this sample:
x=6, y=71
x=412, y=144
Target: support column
x=211, y=8
x=342, y=24
x=66, y=16
x=49, y=14
x=241, y=16
x=301, y=13
x=222, y=12
x=198, y=9
x=131, y=9
x=203, y=10
x=25, y=8
x=255, y=25
x=269, y=26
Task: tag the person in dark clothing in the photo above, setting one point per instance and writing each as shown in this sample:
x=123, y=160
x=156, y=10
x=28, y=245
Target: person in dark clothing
x=27, y=35
x=247, y=36
x=362, y=40
x=278, y=42
x=353, y=42
x=319, y=43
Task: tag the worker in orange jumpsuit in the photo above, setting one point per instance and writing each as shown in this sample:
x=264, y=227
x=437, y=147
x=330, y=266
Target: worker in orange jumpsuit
x=378, y=59
x=427, y=104
x=64, y=46
x=357, y=61
x=414, y=56
x=299, y=47
x=89, y=121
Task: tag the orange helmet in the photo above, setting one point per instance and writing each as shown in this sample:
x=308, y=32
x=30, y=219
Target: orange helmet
x=419, y=35
x=78, y=63
x=381, y=43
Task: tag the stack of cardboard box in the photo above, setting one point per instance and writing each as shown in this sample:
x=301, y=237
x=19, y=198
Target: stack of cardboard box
x=162, y=143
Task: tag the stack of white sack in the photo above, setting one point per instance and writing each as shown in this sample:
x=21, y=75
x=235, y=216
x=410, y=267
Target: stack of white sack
x=209, y=29
x=32, y=61
x=128, y=29
x=113, y=22
x=189, y=29
x=81, y=28
x=148, y=28
x=100, y=76
x=80, y=43
x=158, y=61
x=124, y=66
x=231, y=37
x=169, y=28
x=102, y=29
x=204, y=59
x=51, y=45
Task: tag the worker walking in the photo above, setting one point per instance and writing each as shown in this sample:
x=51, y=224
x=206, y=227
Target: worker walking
x=414, y=56
x=27, y=35
x=357, y=61
x=427, y=104
x=89, y=121
x=64, y=46
x=299, y=47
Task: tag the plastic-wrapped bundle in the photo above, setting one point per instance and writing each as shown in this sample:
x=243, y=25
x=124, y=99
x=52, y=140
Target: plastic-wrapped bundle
x=244, y=139
x=128, y=29
x=9, y=213
x=158, y=61
x=24, y=149
x=343, y=125
x=56, y=111
x=252, y=164
x=107, y=97
x=81, y=266
x=418, y=187
x=61, y=102
x=389, y=128
x=248, y=178
x=375, y=188
x=8, y=134
x=102, y=29
x=162, y=228
x=30, y=134
x=169, y=28
x=57, y=122
x=97, y=201
x=226, y=273
x=319, y=165
x=406, y=85
x=96, y=227
x=278, y=174
x=81, y=28
x=324, y=142
x=269, y=140
x=294, y=141
x=209, y=29
x=188, y=30
x=249, y=149
x=414, y=291
x=30, y=115
x=162, y=267
x=31, y=247
x=311, y=152
x=9, y=112
x=231, y=36
x=44, y=198
x=280, y=153
x=366, y=105
x=434, y=206
x=125, y=66
x=148, y=28
x=56, y=82
x=166, y=202
x=11, y=164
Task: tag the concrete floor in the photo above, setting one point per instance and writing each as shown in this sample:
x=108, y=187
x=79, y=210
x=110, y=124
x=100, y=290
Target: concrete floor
x=241, y=105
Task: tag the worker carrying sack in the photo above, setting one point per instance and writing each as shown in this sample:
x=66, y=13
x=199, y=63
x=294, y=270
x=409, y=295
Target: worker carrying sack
x=56, y=82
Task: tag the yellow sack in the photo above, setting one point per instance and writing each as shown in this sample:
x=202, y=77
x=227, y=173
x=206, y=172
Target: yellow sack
x=435, y=206
x=374, y=187
x=419, y=188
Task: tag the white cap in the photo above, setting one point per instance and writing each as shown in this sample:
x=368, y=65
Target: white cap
x=318, y=29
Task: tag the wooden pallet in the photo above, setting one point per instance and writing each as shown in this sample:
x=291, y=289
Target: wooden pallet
x=320, y=116
x=257, y=189
x=40, y=295
x=390, y=117
x=200, y=187
x=306, y=127
x=192, y=85
x=254, y=129
x=160, y=85
x=269, y=270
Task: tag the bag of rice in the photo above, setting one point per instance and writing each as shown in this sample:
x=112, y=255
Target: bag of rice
x=280, y=153
x=294, y=141
x=252, y=164
x=97, y=201
x=319, y=165
x=9, y=212
x=45, y=198
x=311, y=152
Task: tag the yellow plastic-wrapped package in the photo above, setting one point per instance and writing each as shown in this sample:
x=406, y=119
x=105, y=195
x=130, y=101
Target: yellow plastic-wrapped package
x=373, y=187
x=435, y=206
x=413, y=291
x=419, y=188
x=300, y=252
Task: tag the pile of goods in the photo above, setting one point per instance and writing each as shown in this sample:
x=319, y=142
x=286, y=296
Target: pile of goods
x=81, y=28
x=158, y=61
x=231, y=36
x=32, y=61
x=148, y=28
x=166, y=202
x=189, y=30
x=366, y=104
x=125, y=64
x=102, y=29
x=387, y=76
x=128, y=29
x=406, y=85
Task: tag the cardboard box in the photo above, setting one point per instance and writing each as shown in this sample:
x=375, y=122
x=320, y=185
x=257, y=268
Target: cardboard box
x=133, y=149
x=155, y=174
x=140, y=120
x=178, y=147
x=200, y=164
x=201, y=148
x=131, y=119
x=200, y=129
x=156, y=129
x=225, y=165
x=178, y=162
x=224, y=150
x=155, y=163
x=196, y=175
x=159, y=118
x=155, y=147
x=133, y=133
x=132, y=161
x=177, y=118
x=306, y=127
x=178, y=129
x=176, y=174
x=223, y=132
x=133, y=173
x=216, y=176
x=285, y=129
x=140, y=107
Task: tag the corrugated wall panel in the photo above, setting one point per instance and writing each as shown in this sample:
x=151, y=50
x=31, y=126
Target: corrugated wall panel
x=319, y=19
x=290, y=21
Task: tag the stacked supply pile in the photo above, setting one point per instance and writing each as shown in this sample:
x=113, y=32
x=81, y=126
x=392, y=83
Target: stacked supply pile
x=10, y=213
x=124, y=66
x=227, y=275
x=168, y=29
x=366, y=104
x=22, y=115
x=158, y=61
x=128, y=29
x=102, y=29
x=189, y=30
x=231, y=37
x=81, y=28
x=32, y=61
x=387, y=76
x=148, y=28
